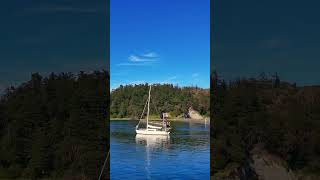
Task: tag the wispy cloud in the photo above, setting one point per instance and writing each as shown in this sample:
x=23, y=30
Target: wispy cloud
x=141, y=60
x=150, y=55
x=172, y=78
x=195, y=75
x=135, y=58
x=133, y=64
x=195, y=78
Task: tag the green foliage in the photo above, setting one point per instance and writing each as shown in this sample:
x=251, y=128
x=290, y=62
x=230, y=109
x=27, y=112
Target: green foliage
x=55, y=127
x=283, y=117
x=128, y=101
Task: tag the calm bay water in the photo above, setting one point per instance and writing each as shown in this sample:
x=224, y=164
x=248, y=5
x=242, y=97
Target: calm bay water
x=185, y=154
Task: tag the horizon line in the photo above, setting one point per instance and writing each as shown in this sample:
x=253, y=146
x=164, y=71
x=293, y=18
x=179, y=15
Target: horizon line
x=174, y=84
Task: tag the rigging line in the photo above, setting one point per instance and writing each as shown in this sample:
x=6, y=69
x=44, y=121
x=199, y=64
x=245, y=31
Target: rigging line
x=104, y=164
x=143, y=109
x=142, y=114
x=155, y=108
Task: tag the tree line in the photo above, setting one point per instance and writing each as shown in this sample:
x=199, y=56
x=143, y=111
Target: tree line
x=283, y=117
x=55, y=127
x=128, y=101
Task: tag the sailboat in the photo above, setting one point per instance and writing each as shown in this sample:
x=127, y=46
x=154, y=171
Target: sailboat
x=151, y=128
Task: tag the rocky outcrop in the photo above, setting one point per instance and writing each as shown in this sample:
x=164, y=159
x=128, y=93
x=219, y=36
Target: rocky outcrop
x=194, y=114
x=271, y=167
x=262, y=165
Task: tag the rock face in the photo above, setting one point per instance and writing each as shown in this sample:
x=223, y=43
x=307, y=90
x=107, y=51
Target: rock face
x=271, y=167
x=194, y=114
x=263, y=165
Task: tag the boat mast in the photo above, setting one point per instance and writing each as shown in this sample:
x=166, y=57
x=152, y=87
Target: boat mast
x=148, y=107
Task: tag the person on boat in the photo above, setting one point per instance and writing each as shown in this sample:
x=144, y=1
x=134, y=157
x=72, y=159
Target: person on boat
x=162, y=117
x=165, y=116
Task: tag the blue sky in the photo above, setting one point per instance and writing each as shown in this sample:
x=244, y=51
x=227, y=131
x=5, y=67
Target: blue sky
x=271, y=36
x=160, y=41
x=51, y=36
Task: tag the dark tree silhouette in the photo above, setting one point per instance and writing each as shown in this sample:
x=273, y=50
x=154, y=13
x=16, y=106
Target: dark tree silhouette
x=55, y=127
x=283, y=117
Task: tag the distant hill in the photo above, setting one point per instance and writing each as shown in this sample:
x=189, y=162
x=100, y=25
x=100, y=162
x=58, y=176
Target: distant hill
x=128, y=101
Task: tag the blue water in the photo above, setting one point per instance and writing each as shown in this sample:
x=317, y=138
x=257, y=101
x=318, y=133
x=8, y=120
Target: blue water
x=185, y=154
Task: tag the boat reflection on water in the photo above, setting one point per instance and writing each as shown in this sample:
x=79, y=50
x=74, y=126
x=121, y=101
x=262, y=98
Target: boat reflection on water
x=153, y=141
x=153, y=144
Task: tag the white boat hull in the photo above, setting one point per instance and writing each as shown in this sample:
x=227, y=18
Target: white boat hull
x=151, y=132
x=154, y=127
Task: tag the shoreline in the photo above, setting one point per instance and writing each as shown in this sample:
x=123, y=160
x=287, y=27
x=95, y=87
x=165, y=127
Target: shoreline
x=206, y=120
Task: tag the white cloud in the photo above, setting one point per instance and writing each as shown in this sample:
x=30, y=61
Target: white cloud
x=135, y=58
x=195, y=75
x=172, y=78
x=132, y=64
x=150, y=55
x=141, y=60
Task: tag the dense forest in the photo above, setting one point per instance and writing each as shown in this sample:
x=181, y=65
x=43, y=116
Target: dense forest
x=55, y=127
x=128, y=101
x=283, y=117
